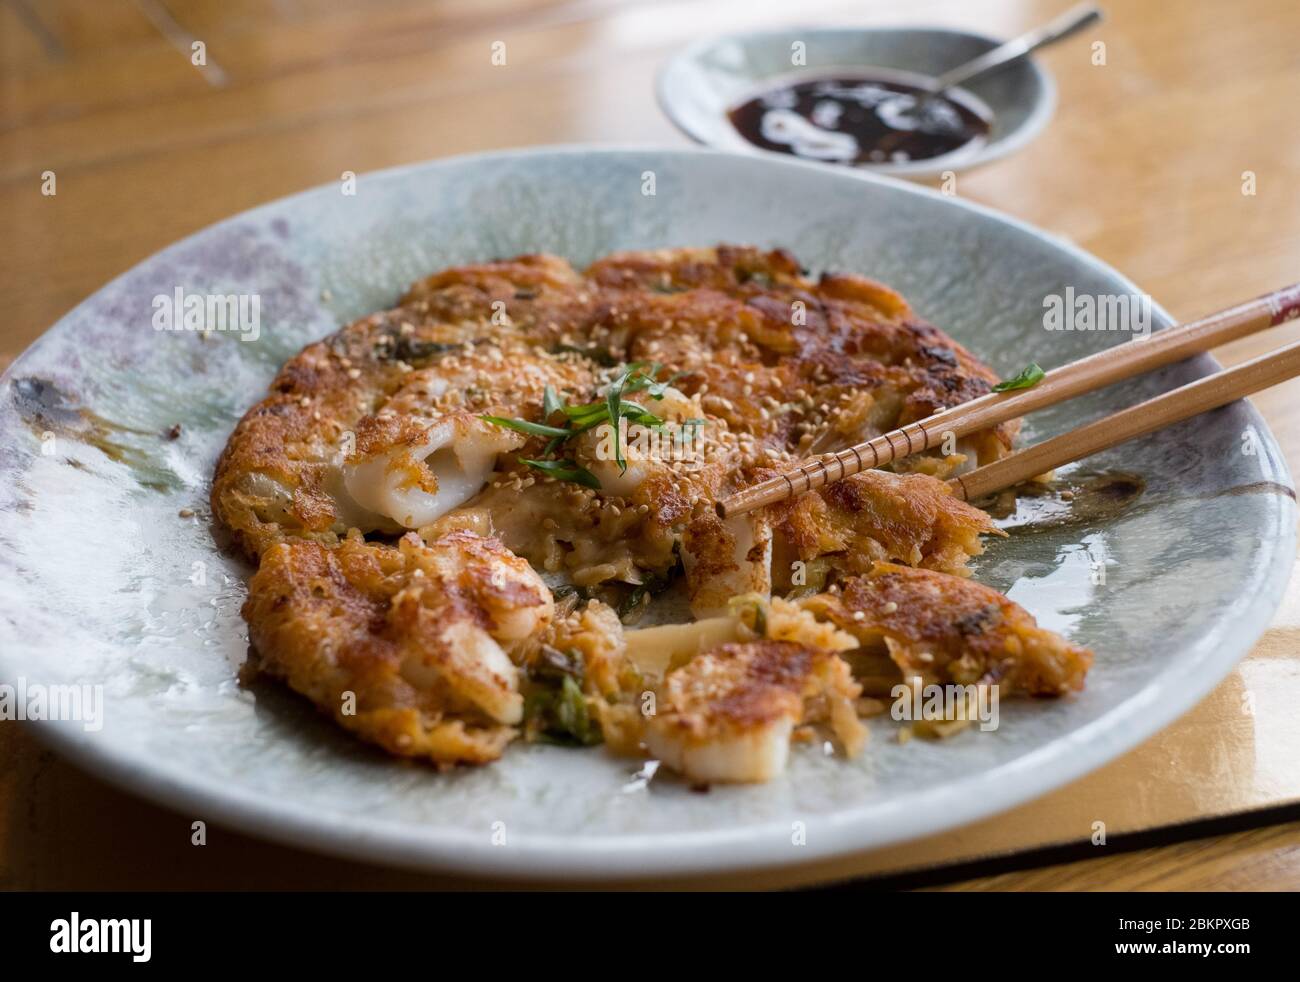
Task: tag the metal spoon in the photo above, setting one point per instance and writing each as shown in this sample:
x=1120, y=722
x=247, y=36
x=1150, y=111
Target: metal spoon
x=1073, y=20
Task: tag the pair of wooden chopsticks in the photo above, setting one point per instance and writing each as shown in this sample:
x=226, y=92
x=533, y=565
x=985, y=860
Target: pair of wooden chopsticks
x=1094, y=372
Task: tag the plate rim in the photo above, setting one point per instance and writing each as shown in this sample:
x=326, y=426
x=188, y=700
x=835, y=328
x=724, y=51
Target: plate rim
x=842, y=833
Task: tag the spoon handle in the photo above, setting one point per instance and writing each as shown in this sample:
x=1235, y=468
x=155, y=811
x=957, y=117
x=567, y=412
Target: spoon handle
x=1074, y=19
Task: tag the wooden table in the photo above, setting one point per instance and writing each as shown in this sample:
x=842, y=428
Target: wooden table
x=1143, y=165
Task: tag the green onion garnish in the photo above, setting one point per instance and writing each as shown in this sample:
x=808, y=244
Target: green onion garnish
x=564, y=470
x=523, y=426
x=1027, y=379
x=636, y=377
x=551, y=402
x=613, y=400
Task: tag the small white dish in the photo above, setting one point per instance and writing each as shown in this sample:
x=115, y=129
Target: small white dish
x=699, y=86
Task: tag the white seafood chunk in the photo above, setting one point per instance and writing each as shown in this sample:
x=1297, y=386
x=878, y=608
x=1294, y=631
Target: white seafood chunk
x=675, y=405
x=464, y=654
x=646, y=450
x=749, y=756
x=595, y=452
x=725, y=559
x=476, y=668
x=416, y=483
x=507, y=589
x=729, y=713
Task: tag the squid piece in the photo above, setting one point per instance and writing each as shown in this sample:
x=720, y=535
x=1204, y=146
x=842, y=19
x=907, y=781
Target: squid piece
x=728, y=715
x=725, y=559
x=413, y=471
x=646, y=453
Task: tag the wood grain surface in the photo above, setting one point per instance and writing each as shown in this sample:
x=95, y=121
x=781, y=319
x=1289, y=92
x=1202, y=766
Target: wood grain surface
x=1145, y=165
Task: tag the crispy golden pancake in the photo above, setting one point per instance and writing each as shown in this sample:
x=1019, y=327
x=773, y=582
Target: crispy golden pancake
x=771, y=361
x=942, y=629
x=407, y=478
x=406, y=647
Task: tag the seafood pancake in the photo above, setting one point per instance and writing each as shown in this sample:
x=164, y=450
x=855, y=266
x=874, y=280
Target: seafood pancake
x=877, y=516
x=375, y=407
x=941, y=629
x=407, y=479
x=769, y=360
x=787, y=359
x=407, y=647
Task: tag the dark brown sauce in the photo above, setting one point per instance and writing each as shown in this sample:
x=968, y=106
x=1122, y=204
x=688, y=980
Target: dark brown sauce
x=856, y=121
x=1081, y=497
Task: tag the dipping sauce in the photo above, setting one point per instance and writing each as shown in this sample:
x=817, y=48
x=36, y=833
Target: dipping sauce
x=857, y=121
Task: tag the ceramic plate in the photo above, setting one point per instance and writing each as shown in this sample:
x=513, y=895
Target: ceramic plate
x=697, y=87
x=103, y=582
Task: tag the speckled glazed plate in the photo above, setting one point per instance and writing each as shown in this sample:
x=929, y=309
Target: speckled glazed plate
x=103, y=582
